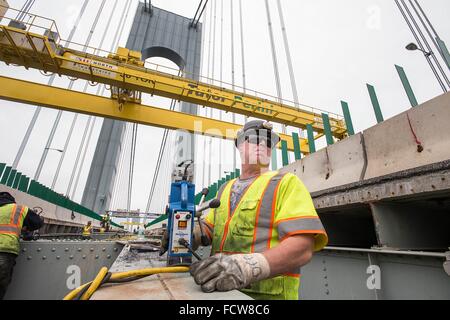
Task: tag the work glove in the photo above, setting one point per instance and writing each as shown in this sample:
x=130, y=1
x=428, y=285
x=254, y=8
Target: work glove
x=229, y=272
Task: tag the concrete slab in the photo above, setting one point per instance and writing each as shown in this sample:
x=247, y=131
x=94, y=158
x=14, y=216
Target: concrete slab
x=341, y=163
x=391, y=145
x=179, y=286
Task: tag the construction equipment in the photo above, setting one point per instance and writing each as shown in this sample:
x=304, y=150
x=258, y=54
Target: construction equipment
x=181, y=213
x=128, y=78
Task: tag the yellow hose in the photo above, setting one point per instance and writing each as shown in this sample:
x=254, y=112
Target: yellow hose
x=72, y=294
x=147, y=272
x=94, y=285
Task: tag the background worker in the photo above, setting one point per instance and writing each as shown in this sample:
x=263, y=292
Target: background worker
x=13, y=220
x=105, y=223
x=87, y=230
x=265, y=229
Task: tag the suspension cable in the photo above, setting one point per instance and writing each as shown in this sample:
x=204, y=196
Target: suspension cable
x=201, y=14
x=38, y=109
x=274, y=53
x=242, y=49
x=436, y=61
x=211, y=112
x=205, y=139
x=132, y=162
x=75, y=118
x=100, y=46
x=419, y=42
x=114, y=44
x=196, y=12
x=233, y=81
x=25, y=9
x=288, y=55
x=114, y=198
x=221, y=85
x=433, y=30
x=159, y=160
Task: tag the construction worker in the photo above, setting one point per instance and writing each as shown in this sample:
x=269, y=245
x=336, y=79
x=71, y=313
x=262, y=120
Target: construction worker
x=265, y=229
x=105, y=223
x=13, y=220
x=87, y=230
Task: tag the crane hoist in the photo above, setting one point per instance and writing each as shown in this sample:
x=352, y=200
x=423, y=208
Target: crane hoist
x=125, y=73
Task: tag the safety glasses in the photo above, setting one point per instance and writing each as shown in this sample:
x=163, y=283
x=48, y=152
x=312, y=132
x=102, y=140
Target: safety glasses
x=257, y=139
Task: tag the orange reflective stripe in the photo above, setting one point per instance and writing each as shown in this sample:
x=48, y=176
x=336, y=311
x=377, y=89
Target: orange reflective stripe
x=230, y=216
x=294, y=275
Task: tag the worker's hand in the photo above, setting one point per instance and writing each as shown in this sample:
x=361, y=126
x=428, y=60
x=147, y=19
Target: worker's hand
x=164, y=243
x=229, y=272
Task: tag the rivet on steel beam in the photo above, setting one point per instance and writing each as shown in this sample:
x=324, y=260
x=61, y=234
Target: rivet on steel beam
x=38, y=249
x=327, y=291
x=84, y=256
x=79, y=249
x=91, y=249
x=24, y=250
x=71, y=257
x=66, y=249
x=58, y=257
x=44, y=257
x=108, y=256
x=103, y=249
x=53, y=249
x=115, y=249
x=96, y=256
x=29, y=258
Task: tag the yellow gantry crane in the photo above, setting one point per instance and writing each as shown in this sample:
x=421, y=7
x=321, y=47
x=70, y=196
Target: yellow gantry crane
x=39, y=47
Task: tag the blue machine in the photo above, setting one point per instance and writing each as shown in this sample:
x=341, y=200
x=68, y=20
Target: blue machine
x=181, y=214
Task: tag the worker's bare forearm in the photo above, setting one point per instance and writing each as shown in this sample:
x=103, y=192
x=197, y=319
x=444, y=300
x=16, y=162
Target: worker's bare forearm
x=289, y=255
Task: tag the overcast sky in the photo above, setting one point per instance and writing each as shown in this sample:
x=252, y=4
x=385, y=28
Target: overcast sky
x=337, y=47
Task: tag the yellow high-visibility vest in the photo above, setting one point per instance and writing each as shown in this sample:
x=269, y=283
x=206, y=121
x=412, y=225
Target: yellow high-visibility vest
x=274, y=207
x=87, y=230
x=11, y=222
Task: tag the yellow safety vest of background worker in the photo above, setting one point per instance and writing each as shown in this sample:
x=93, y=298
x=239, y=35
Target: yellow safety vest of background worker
x=13, y=218
x=265, y=229
x=87, y=229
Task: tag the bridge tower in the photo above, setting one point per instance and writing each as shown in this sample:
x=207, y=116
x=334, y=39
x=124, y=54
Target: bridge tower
x=156, y=33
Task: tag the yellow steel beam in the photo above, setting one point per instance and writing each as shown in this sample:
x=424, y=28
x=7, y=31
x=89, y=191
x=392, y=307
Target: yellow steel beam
x=132, y=77
x=68, y=100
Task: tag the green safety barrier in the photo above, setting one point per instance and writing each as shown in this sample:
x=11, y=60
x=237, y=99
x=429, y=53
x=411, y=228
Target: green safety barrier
x=297, y=150
x=311, y=141
x=348, y=118
x=375, y=103
x=284, y=153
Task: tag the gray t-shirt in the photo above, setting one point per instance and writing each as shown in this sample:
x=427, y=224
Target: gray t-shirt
x=238, y=190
